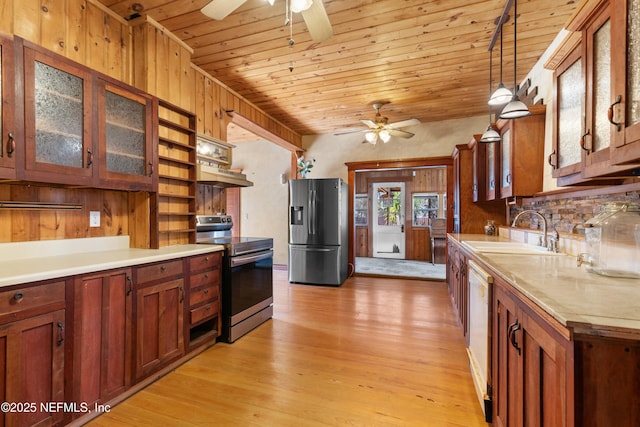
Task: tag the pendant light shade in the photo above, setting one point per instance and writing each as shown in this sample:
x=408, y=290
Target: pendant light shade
x=515, y=108
x=502, y=95
x=490, y=135
x=298, y=6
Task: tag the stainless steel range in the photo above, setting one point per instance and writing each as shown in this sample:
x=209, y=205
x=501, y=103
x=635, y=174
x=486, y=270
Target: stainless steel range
x=247, y=275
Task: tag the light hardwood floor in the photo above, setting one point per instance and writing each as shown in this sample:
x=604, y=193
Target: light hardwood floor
x=373, y=352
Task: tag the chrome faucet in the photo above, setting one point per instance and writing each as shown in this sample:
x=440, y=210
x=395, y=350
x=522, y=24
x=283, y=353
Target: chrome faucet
x=543, y=241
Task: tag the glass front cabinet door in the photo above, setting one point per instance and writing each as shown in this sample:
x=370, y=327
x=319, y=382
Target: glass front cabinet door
x=626, y=81
x=58, y=106
x=124, y=137
x=7, y=132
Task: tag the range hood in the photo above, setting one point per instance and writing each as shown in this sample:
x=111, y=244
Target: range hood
x=208, y=174
x=213, y=161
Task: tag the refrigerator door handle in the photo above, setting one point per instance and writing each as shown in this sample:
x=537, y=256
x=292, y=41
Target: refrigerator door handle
x=312, y=212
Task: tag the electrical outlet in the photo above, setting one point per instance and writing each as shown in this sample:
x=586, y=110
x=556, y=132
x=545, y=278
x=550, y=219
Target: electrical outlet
x=94, y=219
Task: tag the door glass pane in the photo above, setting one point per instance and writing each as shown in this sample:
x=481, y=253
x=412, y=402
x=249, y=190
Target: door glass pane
x=570, y=108
x=389, y=204
x=125, y=135
x=58, y=116
x=602, y=86
x=505, y=155
x=633, y=62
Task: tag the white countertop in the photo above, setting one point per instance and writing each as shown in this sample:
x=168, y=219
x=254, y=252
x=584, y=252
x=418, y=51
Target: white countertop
x=25, y=262
x=583, y=301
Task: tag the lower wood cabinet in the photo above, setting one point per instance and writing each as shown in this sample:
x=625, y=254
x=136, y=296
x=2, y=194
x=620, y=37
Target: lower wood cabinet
x=102, y=336
x=159, y=319
x=204, y=323
x=531, y=366
x=32, y=351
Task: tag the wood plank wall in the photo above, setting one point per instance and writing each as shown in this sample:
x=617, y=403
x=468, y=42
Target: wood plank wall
x=140, y=53
x=425, y=180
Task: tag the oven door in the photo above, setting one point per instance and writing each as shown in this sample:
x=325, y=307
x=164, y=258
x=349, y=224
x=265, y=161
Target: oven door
x=249, y=285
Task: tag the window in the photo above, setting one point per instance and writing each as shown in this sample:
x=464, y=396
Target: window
x=426, y=206
x=361, y=211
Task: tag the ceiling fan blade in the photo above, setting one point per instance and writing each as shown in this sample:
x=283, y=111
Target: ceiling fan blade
x=369, y=123
x=317, y=21
x=346, y=132
x=219, y=9
x=404, y=123
x=400, y=133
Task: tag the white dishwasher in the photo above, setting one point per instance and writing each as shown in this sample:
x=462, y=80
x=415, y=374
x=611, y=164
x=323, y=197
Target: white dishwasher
x=479, y=346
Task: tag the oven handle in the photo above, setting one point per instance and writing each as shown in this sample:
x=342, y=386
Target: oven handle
x=248, y=259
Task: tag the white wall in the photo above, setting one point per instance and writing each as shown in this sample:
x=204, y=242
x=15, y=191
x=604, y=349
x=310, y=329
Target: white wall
x=264, y=207
x=433, y=139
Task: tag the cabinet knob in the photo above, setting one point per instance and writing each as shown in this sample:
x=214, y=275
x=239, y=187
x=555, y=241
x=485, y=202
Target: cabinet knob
x=206, y=291
x=17, y=297
x=163, y=268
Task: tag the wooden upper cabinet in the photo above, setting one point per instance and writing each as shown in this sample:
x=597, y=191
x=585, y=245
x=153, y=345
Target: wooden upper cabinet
x=57, y=120
x=125, y=136
x=82, y=127
x=7, y=107
x=594, y=127
x=626, y=81
x=521, y=154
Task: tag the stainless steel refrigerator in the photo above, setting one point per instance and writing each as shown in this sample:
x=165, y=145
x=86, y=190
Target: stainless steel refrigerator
x=318, y=231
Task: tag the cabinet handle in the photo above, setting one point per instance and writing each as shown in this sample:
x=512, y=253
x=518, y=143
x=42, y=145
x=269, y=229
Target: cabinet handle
x=181, y=294
x=17, y=297
x=552, y=159
x=508, y=178
x=610, y=113
x=60, y=333
x=583, y=141
x=129, y=285
x=513, y=328
x=11, y=145
x=150, y=168
x=89, y=158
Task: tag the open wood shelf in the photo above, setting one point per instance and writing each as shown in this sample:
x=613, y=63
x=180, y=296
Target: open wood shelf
x=177, y=151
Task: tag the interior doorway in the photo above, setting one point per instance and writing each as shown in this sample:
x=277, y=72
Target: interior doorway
x=388, y=225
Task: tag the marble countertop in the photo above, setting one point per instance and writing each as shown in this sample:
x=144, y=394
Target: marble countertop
x=583, y=301
x=26, y=262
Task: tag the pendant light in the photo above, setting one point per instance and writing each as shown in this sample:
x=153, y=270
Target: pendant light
x=516, y=108
x=502, y=95
x=490, y=135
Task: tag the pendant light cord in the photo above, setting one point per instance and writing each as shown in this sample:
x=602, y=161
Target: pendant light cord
x=515, y=32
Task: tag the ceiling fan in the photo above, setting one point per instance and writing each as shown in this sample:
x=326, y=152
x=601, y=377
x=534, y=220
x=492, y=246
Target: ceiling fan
x=312, y=11
x=381, y=129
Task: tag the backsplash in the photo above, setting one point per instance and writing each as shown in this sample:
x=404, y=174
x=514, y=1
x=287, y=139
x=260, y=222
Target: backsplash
x=567, y=214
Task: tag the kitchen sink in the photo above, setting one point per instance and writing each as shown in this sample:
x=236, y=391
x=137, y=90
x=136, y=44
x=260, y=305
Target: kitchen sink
x=515, y=248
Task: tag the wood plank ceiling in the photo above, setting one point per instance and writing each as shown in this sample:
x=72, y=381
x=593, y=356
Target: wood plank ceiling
x=428, y=59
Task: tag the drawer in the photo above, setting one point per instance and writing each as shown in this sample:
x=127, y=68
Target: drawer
x=205, y=312
x=210, y=292
x=158, y=271
x=32, y=297
x=205, y=262
x=204, y=279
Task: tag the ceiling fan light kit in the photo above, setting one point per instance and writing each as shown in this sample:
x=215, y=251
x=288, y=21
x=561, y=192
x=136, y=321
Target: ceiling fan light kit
x=298, y=6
